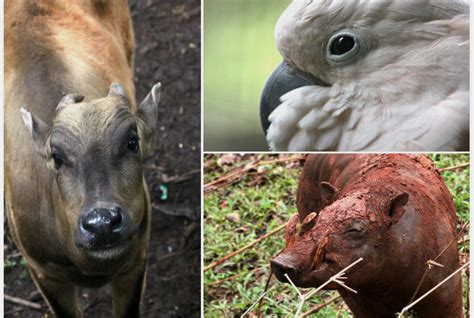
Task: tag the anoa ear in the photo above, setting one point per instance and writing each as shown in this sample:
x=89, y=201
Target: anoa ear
x=397, y=207
x=147, y=113
x=39, y=130
x=328, y=193
x=148, y=109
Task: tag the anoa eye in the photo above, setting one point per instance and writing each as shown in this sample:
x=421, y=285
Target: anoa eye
x=133, y=144
x=58, y=161
x=342, y=44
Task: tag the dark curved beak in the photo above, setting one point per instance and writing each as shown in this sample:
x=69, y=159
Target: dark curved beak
x=284, y=78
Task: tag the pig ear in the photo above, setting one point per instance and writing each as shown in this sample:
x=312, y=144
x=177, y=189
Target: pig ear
x=397, y=207
x=39, y=131
x=328, y=192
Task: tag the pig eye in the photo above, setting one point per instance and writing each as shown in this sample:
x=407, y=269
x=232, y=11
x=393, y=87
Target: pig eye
x=356, y=228
x=133, y=144
x=58, y=161
x=353, y=230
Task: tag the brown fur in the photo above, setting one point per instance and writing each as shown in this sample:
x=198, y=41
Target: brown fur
x=53, y=47
x=78, y=36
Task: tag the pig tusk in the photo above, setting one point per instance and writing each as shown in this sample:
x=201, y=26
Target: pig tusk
x=320, y=252
x=308, y=222
x=291, y=227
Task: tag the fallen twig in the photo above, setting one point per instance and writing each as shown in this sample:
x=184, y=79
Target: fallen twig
x=294, y=286
x=13, y=255
x=253, y=305
x=464, y=239
x=463, y=165
x=340, y=308
x=182, y=177
x=218, y=282
x=23, y=302
x=301, y=296
x=267, y=284
x=432, y=262
x=320, y=306
x=404, y=310
x=242, y=169
x=336, y=278
x=246, y=247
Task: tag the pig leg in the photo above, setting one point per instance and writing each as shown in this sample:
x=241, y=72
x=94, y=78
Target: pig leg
x=62, y=297
x=127, y=291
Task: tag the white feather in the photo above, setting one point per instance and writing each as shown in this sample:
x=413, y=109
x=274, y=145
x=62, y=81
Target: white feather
x=408, y=92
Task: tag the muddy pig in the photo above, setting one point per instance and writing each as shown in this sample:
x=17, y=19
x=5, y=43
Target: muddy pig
x=392, y=210
x=76, y=199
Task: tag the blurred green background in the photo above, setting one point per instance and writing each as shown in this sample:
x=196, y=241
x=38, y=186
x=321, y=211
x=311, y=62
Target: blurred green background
x=239, y=55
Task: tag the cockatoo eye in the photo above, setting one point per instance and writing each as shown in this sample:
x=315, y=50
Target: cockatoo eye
x=342, y=44
x=343, y=47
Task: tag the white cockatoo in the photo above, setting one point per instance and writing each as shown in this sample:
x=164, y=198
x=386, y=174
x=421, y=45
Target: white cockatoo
x=370, y=75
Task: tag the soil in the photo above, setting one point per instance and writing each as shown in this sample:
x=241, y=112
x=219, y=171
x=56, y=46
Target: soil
x=168, y=46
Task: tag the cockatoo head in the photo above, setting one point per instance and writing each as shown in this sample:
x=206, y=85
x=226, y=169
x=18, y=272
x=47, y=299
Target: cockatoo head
x=361, y=45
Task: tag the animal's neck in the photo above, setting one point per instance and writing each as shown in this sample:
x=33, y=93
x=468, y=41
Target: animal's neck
x=374, y=303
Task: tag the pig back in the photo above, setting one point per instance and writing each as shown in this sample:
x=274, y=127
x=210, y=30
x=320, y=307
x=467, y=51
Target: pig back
x=310, y=196
x=414, y=174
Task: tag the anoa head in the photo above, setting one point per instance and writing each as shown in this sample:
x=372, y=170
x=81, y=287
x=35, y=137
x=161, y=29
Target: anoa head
x=94, y=151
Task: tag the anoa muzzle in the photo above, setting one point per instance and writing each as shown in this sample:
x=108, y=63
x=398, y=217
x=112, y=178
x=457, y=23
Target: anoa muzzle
x=95, y=150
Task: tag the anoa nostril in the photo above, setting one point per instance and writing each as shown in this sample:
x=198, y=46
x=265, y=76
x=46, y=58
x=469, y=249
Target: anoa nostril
x=115, y=217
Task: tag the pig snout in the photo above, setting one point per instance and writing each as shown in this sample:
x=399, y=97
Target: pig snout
x=284, y=264
x=101, y=228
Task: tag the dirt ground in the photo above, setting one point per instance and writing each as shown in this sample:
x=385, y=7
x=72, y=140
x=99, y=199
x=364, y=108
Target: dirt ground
x=168, y=48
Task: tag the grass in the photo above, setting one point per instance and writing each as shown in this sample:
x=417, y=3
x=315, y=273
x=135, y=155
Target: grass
x=257, y=203
x=240, y=54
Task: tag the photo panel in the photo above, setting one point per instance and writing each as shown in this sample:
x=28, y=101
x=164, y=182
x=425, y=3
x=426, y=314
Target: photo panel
x=298, y=76
x=308, y=159
x=363, y=235
x=102, y=158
